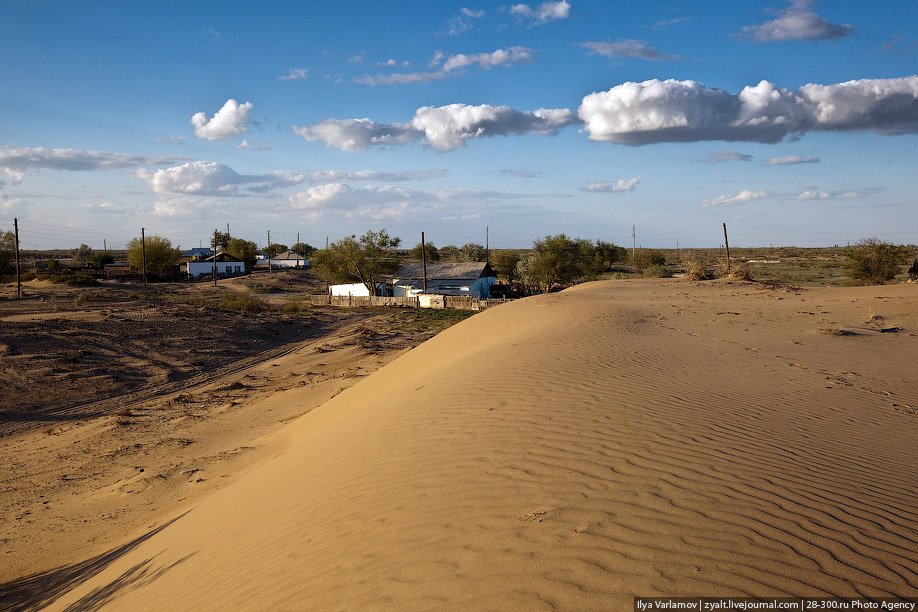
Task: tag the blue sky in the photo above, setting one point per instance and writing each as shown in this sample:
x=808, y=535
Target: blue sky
x=793, y=122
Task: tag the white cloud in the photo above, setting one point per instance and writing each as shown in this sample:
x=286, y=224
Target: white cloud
x=545, y=12
x=333, y=176
x=616, y=187
x=443, y=127
x=212, y=178
x=835, y=195
x=17, y=162
x=629, y=49
x=797, y=22
x=462, y=21
x=720, y=157
x=243, y=145
x=357, y=134
x=452, y=64
x=688, y=111
x=791, y=160
x=170, y=139
x=229, y=121
x=295, y=74
x=746, y=195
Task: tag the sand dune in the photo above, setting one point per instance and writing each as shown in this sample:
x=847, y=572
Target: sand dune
x=572, y=451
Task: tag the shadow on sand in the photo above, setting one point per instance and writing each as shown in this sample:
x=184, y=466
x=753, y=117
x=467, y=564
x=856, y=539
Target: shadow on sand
x=38, y=590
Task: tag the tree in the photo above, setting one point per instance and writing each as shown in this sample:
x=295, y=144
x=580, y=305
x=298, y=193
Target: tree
x=433, y=254
x=273, y=250
x=605, y=254
x=449, y=253
x=7, y=249
x=362, y=259
x=100, y=258
x=221, y=240
x=505, y=262
x=472, y=252
x=243, y=250
x=160, y=254
x=643, y=260
x=303, y=249
x=556, y=260
x=873, y=261
x=82, y=254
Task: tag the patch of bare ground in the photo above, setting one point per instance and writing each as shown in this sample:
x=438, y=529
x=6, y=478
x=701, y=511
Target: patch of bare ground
x=116, y=413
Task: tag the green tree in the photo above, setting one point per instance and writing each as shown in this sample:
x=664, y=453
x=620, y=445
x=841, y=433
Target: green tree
x=275, y=249
x=220, y=240
x=555, y=260
x=472, y=252
x=505, y=262
x=362, y=259
x=303, y=249
x=100, y=258
x=449, y=253
x=645, y=259
x=82, y=254
x=244, y=250
x=873, y=261
x=160, y=254
x=7, y=249
x=604, y=255
x=433, y=254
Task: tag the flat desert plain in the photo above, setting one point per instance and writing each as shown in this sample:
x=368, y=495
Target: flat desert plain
x=567, y=451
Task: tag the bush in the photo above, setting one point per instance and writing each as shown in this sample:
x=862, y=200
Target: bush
x=873, y=261
x=243, y=302
x=694, y=270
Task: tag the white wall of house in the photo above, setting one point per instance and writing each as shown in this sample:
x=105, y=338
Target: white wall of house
x=206, y=268
x=289, y=263
x=479, y=288
x=355, y=289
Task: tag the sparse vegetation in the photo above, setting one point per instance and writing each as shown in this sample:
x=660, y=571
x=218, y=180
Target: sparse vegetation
x=242, y=301
x=874, y=262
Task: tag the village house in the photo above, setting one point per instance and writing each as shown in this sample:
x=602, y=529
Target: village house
x=289, y=259
x=226, y=265
x=454, y=279
x=196, y=254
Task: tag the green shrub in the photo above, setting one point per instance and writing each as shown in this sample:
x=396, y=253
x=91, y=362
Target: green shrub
x=243, y=302
x=873, y=261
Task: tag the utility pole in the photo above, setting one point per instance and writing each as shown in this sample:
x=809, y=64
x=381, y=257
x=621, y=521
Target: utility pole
x=424, y=259
x=269, y=251
x=143, y=255
x=633, y=259
x=297, y=252
x=215, y=257
x=104, y=245
x=727, y=246
x=487, y=245
x=18, y=272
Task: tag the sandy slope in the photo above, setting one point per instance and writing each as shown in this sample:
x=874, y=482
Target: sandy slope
x=569, y=452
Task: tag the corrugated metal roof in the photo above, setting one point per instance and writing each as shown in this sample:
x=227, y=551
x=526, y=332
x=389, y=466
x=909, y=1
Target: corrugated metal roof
x=443, y=271
x=288, y=255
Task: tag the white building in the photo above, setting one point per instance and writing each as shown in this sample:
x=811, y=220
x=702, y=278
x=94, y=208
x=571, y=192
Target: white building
x=467, y=279
x=226, y=265
x=356, y=289
x=289, y=259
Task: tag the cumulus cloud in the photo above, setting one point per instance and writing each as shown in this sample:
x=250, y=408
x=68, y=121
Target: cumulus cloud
x=630, y=48
x=746, y=195
x=442, y=127
x=689, y=111
x=17, y=162
x=791, y=160
x=295, y=74
x=229, y=121
x=797, y=22
x=212, y=178
x=453, y=64
x=719, y=157
x=616, y=187
x=545, y=12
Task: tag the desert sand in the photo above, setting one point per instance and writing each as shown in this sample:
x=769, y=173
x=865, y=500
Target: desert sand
x=566, y=452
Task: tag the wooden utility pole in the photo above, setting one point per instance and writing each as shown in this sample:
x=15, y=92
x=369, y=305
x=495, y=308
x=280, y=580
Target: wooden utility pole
x=424, y=259
x=269, y=251
x=727, y=246
x=143, y=260
x=215, y=257
x=18, y=271
x=297, y=252
x=487, y=245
